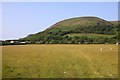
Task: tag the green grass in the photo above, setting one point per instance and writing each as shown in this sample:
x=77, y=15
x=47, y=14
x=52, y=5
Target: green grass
x=80, y=22
x=60, y=61
x=90, y=35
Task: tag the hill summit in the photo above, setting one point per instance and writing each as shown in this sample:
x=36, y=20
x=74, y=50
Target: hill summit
x=81, y=21
x=78, y=30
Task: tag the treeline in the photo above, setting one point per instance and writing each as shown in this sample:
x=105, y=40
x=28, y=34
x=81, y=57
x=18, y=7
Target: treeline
x=50, y=39
x=74, y=40
x=14, y=42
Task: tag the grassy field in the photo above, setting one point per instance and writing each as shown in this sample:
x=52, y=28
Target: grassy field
x=60, y=61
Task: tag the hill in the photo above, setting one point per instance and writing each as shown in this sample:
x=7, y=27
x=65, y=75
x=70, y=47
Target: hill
x=61, y=31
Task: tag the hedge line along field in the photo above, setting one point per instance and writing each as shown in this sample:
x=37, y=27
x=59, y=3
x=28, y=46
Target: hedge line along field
x=60, y=61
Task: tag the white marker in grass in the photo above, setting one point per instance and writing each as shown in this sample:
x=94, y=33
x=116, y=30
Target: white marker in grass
x=64, y=72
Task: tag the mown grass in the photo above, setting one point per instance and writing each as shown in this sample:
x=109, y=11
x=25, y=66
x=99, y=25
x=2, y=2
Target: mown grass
x=60, y=61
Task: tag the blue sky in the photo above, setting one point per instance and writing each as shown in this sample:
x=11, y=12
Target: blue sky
x=24, y=18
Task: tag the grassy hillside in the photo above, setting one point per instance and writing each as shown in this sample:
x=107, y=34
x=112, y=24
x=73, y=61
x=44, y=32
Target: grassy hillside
x=115, y=22
x=60, y=61
x=83, y=24
x=81, y=21
x=80, y=25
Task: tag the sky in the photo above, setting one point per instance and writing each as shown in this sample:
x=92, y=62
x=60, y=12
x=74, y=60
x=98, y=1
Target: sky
x=20, y=19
